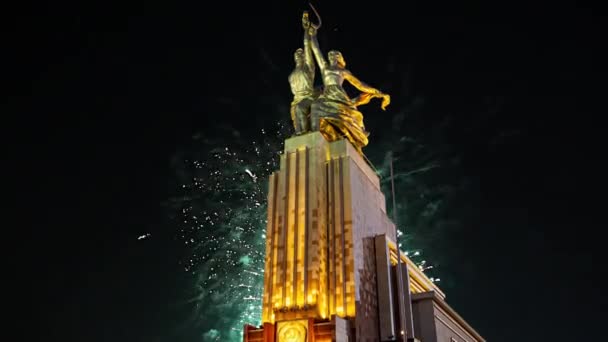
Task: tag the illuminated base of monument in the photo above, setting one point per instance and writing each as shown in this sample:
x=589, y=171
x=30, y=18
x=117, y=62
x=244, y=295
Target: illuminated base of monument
x=299, y=330
x=331, y=260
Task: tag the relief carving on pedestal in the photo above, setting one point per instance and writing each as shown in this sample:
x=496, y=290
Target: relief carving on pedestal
x=294, y=331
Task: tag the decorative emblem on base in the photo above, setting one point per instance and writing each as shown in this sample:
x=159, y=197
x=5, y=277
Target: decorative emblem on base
x=292, y=331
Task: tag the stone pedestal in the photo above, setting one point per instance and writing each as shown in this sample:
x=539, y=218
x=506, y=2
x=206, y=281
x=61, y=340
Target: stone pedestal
x=331, y=259
x=322, y=202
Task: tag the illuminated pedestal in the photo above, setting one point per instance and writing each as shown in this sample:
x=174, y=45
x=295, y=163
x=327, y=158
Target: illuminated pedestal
x=322, y=202
x=330, y=261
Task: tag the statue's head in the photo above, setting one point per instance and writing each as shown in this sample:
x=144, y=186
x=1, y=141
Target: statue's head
x=336, y=58
x=298, y=56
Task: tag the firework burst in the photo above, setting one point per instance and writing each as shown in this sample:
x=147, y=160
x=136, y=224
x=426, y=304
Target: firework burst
x=221, y=208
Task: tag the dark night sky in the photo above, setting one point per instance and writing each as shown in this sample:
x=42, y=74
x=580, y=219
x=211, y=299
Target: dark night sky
x=109, y=92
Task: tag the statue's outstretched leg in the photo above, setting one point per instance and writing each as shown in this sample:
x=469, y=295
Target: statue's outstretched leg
x=304, y=124
x=302, y=117
x=296, y=121
x=314, y=118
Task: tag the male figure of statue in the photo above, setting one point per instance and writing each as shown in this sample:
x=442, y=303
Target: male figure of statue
x=301, y=81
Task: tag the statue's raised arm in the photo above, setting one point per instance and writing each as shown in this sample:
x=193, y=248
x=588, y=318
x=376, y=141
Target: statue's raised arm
x=308, y=56
x=316, y=50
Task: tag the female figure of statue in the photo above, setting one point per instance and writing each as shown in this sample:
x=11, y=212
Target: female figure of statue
x=333, y=113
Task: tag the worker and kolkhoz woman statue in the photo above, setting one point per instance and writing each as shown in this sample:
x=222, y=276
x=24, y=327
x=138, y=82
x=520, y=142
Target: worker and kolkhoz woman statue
x=329, y=109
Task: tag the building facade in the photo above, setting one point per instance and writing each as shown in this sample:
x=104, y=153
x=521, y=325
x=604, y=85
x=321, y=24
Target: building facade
x=333, y=271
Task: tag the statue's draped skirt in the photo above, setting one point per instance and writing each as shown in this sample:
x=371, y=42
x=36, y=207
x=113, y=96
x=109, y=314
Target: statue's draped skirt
x=339, y=118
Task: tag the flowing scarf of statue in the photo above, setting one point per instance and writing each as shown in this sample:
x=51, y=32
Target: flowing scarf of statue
x=333, y=113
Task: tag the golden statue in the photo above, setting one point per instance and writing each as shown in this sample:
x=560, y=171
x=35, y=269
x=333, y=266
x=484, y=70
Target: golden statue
x=333, y=113
x=301, y=81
